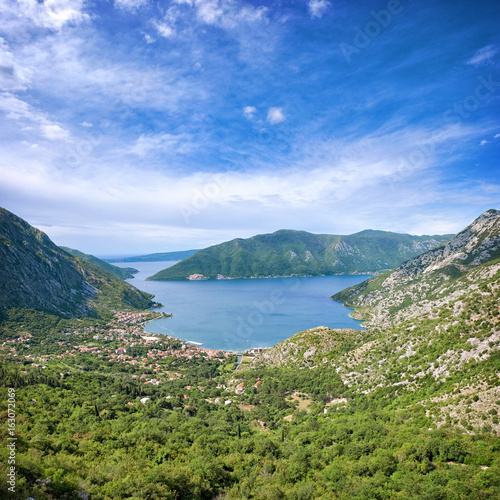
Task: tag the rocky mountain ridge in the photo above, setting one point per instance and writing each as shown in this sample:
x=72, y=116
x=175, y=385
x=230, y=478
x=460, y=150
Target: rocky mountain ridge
x=433, y=277
x=121, y=272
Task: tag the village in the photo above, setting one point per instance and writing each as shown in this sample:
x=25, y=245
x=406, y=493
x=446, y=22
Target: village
x=122, y=341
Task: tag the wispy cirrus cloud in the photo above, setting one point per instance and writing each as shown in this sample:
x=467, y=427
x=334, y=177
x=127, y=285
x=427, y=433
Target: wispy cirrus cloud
x=13, y=75
x=119, y=117
x=129, y=4
x=28, y=117
x=163, y=143
x=483, y=55
x=227, y=14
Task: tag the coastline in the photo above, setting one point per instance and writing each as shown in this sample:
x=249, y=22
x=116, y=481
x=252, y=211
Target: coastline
x=197, y=346
x=220, y=277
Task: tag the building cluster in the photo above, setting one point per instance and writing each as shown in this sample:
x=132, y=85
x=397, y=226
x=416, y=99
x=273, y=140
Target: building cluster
x=131, y=318
x=126, y=330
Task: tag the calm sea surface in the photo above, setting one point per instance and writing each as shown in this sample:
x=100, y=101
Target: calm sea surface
x=240, y=314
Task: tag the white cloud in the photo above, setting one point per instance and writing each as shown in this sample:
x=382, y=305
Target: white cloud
x=129, y=4
x=54, y=132
x=210, y=11
x=322, y=178
x=19, y=110
x=167, y=26
x=275, y=115
x=246, y=24
x=163, y=143
x=83, y=72
x=164, y=29
x=53, y=14
x=227, y=14
x=139, y=179
x=483, y=142
x=13, y=76
x=483, y=56
x=317, y=8
x=496, y=136
x=249, y=112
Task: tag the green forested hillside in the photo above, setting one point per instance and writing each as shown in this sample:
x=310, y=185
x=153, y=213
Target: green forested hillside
x=121, y=272
x=89, y=434
x=299, y=253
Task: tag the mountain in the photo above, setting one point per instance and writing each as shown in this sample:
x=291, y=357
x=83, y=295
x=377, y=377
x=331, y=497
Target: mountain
x=121, y=272
x=298, y=253
x=432, y=338
x=432, y=279
x=37, y=274
x=407, y=408
x=157, y=257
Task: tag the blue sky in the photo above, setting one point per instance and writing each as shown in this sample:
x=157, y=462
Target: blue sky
x=135, y=126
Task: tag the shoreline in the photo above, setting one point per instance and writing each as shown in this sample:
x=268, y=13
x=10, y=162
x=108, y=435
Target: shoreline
x=201, y=277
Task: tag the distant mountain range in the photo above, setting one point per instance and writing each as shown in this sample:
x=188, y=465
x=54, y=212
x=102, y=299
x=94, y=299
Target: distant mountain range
x=37, y=274
x=121, y=272
x=156, y=257
x=299, y=253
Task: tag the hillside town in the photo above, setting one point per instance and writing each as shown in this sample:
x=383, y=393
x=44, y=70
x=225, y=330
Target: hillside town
x=122, y=342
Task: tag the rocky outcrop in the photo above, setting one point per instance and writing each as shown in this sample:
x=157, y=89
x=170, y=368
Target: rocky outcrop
x=436, y=277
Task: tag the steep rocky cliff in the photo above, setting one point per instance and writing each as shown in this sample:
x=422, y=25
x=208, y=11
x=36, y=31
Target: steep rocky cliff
x=37, y=274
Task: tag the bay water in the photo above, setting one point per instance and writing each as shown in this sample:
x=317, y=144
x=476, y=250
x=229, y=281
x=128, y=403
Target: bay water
x=240, y=314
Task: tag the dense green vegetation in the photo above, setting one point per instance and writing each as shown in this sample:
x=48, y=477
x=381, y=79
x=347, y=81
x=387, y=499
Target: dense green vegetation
x=299, y=253
x=121, y=272
x=80, y=434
